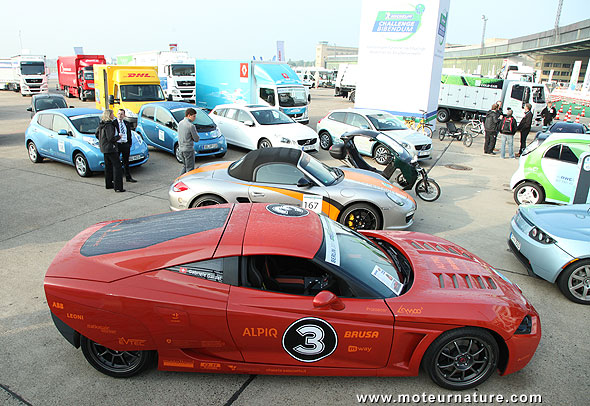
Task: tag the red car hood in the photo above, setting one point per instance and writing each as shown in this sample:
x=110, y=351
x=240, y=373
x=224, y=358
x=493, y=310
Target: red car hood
x=453, y=286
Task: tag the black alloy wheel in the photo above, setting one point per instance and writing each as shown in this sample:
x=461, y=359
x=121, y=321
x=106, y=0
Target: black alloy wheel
x=361, y=216
x=118, y=364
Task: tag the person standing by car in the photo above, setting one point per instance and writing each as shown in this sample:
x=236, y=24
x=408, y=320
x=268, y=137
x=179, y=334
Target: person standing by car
x=107, y=140
x=187, y=136
x=548, y=114
x=507, y=129
x=525, y=126
x=491, y=129
x=124, y=144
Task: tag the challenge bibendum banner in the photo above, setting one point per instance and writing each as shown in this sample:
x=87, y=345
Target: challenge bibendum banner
x=401, y=50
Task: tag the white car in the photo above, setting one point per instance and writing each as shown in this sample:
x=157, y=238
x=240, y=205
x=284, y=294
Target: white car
x=338, y=122
x=256, y=126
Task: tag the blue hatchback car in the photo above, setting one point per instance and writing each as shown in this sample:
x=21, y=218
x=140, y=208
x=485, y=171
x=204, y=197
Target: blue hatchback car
x=67, y=135
x=158, y=124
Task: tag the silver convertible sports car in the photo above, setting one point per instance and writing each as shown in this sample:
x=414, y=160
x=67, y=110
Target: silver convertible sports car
x=356, y=198
x=553, y=242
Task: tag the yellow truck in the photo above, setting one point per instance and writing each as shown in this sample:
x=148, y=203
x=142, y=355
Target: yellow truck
x=126, y=87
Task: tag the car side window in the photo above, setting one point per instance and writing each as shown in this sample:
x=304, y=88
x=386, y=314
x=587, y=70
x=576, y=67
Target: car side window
x=45, y=120
x=553, y=152
x=220, y=112
x=222, y=270
x=356, y=120
x=338, y=116
x=60, y=123
x=231, y=114
x=243, y=116
x=268, y=95
x=164, y=118
x=517, y=92
x=290, y=275
x=567, y=155
x=280, y=173
x=148, y=112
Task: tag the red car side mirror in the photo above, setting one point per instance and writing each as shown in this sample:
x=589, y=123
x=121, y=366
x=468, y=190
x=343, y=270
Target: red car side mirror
x=327, y=299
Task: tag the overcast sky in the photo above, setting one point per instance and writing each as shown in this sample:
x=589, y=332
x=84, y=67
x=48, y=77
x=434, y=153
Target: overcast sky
x=240, y=29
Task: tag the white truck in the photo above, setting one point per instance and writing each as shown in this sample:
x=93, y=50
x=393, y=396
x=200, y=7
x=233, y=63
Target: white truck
x=25, y=73
x=463, y=96
x=176, y=71
x=345, y=84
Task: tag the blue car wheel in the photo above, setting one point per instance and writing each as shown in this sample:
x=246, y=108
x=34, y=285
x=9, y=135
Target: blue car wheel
x=81, y=165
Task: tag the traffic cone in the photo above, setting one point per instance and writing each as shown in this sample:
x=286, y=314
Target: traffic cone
x=567, y=116
x=583, y=113
x=557, y=116
x=561, y=109
x=577, y=119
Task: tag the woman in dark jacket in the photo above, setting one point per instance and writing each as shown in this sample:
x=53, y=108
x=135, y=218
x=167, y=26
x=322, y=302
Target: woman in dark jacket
x=113, y=174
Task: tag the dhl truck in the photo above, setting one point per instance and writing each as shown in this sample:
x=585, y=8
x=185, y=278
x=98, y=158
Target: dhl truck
x=126, y=87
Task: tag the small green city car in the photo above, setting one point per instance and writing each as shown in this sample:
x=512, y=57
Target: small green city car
x=548, y=169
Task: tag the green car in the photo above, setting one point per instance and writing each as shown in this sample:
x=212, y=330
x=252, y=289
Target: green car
x=548, y=169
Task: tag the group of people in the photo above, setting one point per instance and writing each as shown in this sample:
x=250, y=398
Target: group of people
x=114, y=139
x=505, y=124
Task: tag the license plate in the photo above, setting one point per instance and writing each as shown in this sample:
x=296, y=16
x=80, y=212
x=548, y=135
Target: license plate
x=423, y=153
x=135, y=158
x=308, y=147
x=515, y=241
x=210, y=146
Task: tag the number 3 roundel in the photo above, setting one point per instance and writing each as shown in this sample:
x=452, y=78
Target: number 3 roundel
x=310, y=339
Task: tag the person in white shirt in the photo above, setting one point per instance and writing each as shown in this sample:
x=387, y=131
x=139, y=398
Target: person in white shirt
x=124, y=143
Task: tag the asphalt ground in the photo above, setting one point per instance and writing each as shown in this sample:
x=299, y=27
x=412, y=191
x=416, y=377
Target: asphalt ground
x=44, y=205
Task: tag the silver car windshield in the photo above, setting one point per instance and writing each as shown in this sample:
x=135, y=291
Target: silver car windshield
x=386, y=122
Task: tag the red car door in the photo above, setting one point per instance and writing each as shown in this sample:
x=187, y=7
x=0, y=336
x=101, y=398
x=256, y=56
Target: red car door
x=286, y=329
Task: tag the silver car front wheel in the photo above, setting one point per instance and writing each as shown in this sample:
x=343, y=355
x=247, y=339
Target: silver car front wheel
x=574, y=282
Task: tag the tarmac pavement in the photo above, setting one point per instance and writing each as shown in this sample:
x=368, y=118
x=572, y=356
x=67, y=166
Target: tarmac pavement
x=44, y=205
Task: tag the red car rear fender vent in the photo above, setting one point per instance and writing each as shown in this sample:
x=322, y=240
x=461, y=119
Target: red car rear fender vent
x=465, y=281
x=444, y=248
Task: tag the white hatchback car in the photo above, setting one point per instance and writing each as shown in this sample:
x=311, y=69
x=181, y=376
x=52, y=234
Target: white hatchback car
x=338, y=122
x=257, y=126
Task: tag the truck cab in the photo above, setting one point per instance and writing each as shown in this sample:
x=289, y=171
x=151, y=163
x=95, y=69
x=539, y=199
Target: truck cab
x=126, y=87
x=32, y=73
x=518, y=93
x=179, y=82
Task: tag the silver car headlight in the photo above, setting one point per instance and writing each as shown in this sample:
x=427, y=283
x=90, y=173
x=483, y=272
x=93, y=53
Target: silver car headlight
x=395, y=198
x=405, y=145
x=285, y=140
x=216, y=133
x=91, y=140
x=130, y=114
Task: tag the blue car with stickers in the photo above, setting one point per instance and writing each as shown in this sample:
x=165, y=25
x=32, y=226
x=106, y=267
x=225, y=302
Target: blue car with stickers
x=68, y=136
x=158, y=122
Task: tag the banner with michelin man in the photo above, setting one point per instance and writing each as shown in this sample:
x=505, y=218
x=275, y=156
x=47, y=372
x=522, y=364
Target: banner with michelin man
x=401, y=50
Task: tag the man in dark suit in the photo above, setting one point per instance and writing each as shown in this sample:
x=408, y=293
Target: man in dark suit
x=525, y=127
x=124, y=143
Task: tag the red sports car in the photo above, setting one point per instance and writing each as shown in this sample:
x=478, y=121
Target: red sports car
x=277, y=289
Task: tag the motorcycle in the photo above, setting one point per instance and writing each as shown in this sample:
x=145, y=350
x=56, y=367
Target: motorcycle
x=397, y=157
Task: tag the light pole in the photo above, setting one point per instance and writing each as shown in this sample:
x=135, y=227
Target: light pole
x=483, y=33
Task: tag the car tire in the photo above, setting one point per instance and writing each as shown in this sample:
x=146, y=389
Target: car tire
x=361, y=216
x=458, y=352
x=118, y=364
x=264, y=143
x=382, y=155
x=81, y=165
x=177, y=154
x=325, y=140
x=529, y=193
x=206, y=200
x=574, y=282
x=34, y=153
x=443, y=115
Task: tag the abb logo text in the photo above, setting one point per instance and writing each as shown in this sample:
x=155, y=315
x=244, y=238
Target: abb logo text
x=138, y=75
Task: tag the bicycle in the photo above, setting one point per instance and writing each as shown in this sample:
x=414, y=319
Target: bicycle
x=475, y=126
x=421, y=125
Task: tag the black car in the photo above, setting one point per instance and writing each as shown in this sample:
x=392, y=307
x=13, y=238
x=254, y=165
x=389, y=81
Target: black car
x=562, y=127
x=47, y=101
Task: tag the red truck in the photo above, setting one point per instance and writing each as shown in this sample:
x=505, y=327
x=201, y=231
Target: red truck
x=76, y=77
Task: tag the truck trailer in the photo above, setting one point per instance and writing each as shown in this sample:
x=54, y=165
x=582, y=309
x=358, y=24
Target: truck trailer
x=126, y=87
x=176, y=71
x=76, y=76
x=251, y=82
x=463, y=96
x=25, y=73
